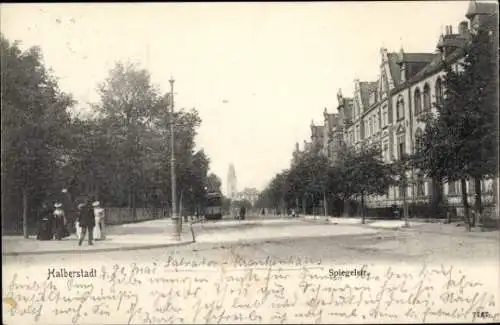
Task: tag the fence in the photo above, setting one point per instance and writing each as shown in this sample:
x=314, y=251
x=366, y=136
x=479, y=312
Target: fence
x=113, y=216
x=117, y=216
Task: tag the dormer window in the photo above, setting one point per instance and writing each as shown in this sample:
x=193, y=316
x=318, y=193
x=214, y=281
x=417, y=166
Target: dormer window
x=372, y=98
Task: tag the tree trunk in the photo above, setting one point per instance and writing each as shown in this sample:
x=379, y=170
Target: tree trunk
x=478, y=201
x=25, y=213
x=465, y=202
x=325, y=204
x=362, y=208
x=436, y=197
x=405, y=206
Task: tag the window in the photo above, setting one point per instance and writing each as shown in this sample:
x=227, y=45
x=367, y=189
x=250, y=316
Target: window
x=400, y=109
x=385, y=151
x=417, y=99
x=427, y=97
x=439, y=92
x=418, y=139
x=385, y=116
x=358, y=133
x=420, y=185
x=401, y=145
x=370, y=125
x=452, y=188
x=401, y=191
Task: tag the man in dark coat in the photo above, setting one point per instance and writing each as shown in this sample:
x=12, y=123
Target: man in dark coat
x=86, y=219
x=242, y=212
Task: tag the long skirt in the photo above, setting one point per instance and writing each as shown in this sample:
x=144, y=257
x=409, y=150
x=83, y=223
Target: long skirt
x=44, y=230
x=60, y=230
x=97, y=234
x=78, y=230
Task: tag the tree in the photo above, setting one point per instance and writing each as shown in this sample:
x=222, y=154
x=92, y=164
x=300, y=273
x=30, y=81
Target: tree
x=213, y=183
x=309, y=177
x=362, y=172
x=129, y=104
x=34, y=128
x=460, y=140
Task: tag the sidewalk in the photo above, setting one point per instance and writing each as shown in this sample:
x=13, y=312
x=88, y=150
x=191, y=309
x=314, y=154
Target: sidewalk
x=452, y=229
x=143, y=235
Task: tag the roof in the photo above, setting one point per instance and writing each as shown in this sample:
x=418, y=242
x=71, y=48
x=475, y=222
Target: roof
x=317, y=130
x=394, y=67
x=417, y=57
x=432, y=67
x=365, y=89
x=478, y=8
x=452, y=40
x=331, y=119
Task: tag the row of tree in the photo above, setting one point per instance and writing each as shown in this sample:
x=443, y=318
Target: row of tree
x=313, y=178
x=460, y=143
x=120, y=156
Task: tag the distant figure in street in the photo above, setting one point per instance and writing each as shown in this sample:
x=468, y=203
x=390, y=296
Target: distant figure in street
x=87, y=222
x=59, y=222
x=45, y=223
x=242, y=212
x=263, y=212
x=99, y=221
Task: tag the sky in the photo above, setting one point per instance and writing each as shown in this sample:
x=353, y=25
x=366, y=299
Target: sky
x=258, y=73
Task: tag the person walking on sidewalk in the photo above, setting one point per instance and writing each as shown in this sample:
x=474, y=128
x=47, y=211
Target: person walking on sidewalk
x=87, y=222
x=99, y=221
x=59, y=219
x=78, y=214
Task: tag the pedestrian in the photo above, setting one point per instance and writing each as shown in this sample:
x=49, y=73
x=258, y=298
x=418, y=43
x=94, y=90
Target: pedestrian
x=78, y=227
x=45, y=223
x=99, y=221
x=87, y=222
x=242, y=212
x=59, y=222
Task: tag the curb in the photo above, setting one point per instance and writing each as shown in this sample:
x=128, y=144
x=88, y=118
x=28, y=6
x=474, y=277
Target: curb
x=113, y=249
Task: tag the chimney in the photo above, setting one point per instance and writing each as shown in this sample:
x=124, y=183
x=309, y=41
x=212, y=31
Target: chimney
x=463, y=28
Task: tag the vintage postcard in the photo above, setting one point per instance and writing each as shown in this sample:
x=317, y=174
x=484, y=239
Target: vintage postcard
x=260, y=162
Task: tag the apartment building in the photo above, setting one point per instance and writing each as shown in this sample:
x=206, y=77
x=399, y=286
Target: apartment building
x=386, y=111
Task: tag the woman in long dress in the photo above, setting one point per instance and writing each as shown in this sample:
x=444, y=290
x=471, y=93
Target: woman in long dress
x=45, y=223
x=99, y=221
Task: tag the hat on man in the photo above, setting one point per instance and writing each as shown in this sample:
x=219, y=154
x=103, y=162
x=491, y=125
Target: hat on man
x=96, y=204
x=57, y=205
x=81, y=205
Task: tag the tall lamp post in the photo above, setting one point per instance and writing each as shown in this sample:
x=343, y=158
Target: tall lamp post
x=175, y=218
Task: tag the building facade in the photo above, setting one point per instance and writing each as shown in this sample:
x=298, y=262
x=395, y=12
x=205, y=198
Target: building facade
x=386, y=111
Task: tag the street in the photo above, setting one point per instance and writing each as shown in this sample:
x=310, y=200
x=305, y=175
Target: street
x=382, y=245
x=283, y=260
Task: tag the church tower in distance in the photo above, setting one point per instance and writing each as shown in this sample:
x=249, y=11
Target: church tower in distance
x=231, y=182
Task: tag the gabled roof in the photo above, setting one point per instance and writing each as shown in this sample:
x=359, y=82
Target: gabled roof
x=365, y=89
x=316, y=130
x=416, y=57
x=432, y=67
x=331, y=119
x=394, y=67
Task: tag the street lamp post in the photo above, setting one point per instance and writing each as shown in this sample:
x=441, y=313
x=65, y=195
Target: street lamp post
x=175, y=218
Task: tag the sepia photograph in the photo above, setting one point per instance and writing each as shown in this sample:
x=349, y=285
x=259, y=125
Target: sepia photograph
x=250, y=162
